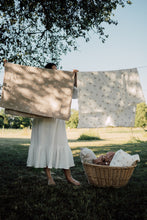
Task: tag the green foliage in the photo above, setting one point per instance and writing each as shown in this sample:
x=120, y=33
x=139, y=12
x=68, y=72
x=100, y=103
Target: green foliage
x=32, y=32
x=8, y=121
x=1, y=121
x=73, y=120
x=141, y=115
x=87, y=137
x=26, y=122
x=90, y=135
x=4, y=120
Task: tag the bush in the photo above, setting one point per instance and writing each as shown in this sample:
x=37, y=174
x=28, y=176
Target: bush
x=141, y=115
x=73, y=120
x=89, y=135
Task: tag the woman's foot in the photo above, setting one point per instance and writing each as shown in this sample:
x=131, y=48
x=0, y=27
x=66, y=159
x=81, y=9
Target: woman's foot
x=73, y=181
x=69, y=177
x=51, y=181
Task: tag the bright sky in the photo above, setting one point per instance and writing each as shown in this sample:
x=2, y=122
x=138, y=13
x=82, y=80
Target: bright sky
x=126, y=46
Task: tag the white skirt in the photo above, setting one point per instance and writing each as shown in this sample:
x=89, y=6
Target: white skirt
x=49, y=146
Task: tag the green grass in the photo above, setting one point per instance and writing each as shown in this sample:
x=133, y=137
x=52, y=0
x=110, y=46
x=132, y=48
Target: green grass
x=24, y=193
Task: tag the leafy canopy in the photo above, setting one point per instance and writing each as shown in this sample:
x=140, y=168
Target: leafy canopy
x=32, y=32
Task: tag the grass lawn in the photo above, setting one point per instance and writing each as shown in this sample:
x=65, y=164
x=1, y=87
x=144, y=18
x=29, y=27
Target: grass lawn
x=24, y=193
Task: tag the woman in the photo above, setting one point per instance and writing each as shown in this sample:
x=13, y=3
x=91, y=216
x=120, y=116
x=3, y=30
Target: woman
x=49, y=146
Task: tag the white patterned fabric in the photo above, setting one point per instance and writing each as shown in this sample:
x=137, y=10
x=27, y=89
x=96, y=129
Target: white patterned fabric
x=108, y=98
x=49, y=146
x=123, y=159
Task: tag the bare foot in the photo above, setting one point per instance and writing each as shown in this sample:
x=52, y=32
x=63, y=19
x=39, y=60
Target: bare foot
x=73, y=181
x=51, y=181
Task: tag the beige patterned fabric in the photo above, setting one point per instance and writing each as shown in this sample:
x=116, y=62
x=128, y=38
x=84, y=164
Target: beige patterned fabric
x=17, y=113
x=37, y=92
x=108, y=98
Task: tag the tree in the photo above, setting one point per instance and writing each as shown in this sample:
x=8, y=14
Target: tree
x=73, y=120
x=26, y=122
x=36, y=31
x=141, y=115
x=1, y=121
x=4, y=119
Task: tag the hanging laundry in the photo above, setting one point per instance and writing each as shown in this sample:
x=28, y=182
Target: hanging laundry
x=37, y=92
x=108, y=98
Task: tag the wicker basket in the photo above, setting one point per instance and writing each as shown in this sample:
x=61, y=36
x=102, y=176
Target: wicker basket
x=106, y=176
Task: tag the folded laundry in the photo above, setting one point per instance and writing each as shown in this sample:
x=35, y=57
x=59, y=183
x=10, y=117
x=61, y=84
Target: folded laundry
x=87, y=155
x=119, y=158
x=104, y=159
x=123, y=159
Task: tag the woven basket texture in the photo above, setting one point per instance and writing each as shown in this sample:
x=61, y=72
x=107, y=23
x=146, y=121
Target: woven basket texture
x=106, y=176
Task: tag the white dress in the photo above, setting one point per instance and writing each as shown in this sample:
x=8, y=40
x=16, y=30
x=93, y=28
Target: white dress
x=49, y=146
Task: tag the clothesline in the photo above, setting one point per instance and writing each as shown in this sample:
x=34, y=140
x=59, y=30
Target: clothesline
x=103, y=70
x=142, y=67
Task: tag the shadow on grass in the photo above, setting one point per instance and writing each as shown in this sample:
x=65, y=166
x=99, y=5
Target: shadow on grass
x=25, y=193
x=78, y=140
x=16, y=141
x=131, y=146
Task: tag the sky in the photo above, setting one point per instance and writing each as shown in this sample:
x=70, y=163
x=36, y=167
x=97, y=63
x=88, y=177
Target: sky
x=125, y=48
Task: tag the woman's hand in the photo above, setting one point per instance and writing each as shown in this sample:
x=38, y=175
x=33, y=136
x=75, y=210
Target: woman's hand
x=4, y=62
x=75, y=71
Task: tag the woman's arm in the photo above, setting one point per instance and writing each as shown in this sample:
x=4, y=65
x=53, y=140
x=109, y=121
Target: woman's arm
x=75, y=77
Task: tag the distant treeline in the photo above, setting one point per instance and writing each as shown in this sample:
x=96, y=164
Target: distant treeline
x=9, y=121
x=18, y=122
